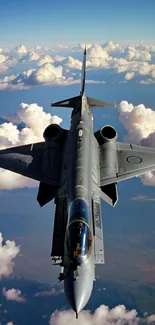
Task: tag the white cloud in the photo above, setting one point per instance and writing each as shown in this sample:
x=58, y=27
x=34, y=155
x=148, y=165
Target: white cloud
x=21, y=50
x=138, y=120
x=129, y=75
x=8, y=134
x=147, y=82
x=59, y=58
x=151, y=319
x=88, y=46
x=3, y=58
x=8, y=252
x=49, y=293
x=110, y=47
x=48, y=73
x=145, y=69
x=45, y=59
x=62, y=46
x=102, y=315
x=153, y=73
x=134, y=59
x=10, y=323
x=13, y=294
x=33, y=56
x=137, y=54
x=140, y=124
x=97, y=51
x=143, y=198
x=73, y=63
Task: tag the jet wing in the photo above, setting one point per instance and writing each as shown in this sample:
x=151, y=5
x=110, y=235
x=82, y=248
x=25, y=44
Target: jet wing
x=132, y=160
x=33, y=161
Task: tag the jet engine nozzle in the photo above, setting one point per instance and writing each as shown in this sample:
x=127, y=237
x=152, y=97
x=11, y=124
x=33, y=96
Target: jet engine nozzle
x=108, y=134
x=52, y=132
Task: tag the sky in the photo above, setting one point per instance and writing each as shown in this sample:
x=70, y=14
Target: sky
x=41, y=50
x=78, y=21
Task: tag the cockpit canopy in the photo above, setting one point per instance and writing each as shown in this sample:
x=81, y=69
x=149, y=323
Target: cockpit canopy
x=78, y=210
x=79, y=240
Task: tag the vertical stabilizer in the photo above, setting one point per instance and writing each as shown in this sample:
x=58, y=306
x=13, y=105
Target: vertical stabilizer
x=83, y=73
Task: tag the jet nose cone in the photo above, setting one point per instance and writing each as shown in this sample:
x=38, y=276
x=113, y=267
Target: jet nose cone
x=78, y=289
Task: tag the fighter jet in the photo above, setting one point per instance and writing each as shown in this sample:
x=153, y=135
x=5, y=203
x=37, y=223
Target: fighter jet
x=78, y=168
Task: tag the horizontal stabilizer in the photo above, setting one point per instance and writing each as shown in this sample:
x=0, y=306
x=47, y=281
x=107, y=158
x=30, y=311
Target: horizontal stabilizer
x=46, y=193
x=109, y=194
x=69, y=102
x=98, y=103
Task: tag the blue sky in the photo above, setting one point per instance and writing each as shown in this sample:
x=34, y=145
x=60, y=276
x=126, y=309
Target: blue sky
x=48, y=22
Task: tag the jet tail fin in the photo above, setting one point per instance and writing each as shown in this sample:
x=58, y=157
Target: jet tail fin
x=83, y=73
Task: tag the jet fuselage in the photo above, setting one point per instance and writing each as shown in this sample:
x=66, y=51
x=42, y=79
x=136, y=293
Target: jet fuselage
x=79, y=250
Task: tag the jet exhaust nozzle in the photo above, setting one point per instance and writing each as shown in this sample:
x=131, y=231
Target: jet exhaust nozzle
x=106, y=134
x=52, y=132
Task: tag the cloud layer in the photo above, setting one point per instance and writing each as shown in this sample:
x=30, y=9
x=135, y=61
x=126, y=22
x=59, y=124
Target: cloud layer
x=102, y=316
x=51, y=67
x=8, y=252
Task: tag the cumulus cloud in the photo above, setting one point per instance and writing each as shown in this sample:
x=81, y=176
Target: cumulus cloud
x=129, y=75
x=20, y=50
x=73, y=63
x=145, y=69
x=33, y=56
x=8, y=252
x=45, y=59
x=137, y=54
x=5, y=62
x=52, y=292
x=59, y=58
x=140, y=124
x=46, y=74
x=138, y=120
x=151, y=319
x=97, y=51
x=102, y=315
x=13, y=294
x=32, y=132
x=111, y=47
x=3, y=58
